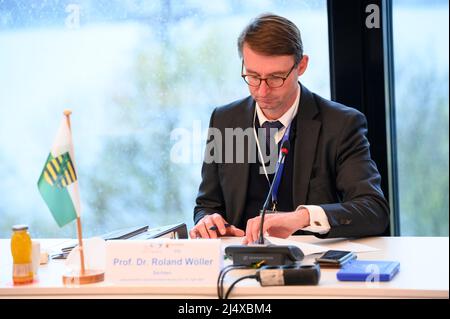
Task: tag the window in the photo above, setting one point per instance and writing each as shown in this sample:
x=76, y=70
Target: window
x=132, y=72
x=422, y=105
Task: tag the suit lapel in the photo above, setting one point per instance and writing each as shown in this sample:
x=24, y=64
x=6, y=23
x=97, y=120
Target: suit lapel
x=305, y=146
x=241, y=171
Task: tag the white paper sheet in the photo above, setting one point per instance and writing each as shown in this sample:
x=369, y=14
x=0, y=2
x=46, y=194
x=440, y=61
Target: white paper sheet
x=350, y=246
x=309, y=249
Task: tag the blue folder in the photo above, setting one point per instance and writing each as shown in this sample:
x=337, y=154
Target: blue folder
x=368, y=270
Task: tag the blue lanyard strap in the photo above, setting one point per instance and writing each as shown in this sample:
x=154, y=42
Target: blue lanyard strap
x=280, y=167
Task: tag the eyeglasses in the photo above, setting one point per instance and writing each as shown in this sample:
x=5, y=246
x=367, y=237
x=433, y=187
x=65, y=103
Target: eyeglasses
x=272, y=81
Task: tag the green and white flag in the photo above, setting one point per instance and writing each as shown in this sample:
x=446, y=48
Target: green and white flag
x=58, y=182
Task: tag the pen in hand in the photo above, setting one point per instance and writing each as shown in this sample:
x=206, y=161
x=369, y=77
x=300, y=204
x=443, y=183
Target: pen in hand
x=215, y=227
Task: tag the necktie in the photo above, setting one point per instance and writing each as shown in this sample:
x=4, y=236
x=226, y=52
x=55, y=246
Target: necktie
x=268, y=127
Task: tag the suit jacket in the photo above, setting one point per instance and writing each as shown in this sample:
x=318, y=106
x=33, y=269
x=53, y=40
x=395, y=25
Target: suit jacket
x=332, y=168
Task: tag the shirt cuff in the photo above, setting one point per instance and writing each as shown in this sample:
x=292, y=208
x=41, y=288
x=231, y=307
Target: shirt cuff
x=318, y=220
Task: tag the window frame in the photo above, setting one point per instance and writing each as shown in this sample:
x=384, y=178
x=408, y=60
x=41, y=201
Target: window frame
x=362, y=76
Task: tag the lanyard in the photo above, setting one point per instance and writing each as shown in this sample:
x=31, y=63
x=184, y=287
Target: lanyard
x=280, y=167
x=278, y=180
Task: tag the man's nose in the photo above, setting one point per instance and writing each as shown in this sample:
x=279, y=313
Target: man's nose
x=263, y=88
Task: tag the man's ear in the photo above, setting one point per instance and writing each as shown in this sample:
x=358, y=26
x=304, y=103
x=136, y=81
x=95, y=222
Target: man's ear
x=302, y=65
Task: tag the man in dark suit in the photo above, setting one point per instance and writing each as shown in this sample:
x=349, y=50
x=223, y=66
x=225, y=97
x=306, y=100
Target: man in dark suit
x=329, y=185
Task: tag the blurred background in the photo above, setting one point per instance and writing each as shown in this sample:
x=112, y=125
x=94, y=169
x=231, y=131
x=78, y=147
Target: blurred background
x=134, y=72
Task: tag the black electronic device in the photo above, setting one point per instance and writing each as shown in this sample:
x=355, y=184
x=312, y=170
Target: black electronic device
x=335, y=258
x=268, y=255
x=176, y=231
x=289, y=275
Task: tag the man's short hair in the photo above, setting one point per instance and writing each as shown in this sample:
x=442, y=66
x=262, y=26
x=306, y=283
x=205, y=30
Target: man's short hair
x=271, y=35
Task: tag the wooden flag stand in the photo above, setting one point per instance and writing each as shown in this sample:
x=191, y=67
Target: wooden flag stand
x=83, y=275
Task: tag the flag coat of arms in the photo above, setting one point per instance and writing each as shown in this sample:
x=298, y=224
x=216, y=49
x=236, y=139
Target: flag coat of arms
x=58, y=183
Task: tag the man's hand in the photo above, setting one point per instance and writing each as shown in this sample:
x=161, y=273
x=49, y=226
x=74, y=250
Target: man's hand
x=278, y=225
x=213, y=226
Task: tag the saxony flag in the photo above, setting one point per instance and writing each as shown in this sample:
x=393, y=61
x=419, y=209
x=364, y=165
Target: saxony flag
x=58, y=182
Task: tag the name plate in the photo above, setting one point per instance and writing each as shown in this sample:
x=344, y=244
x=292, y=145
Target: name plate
x=163, y=261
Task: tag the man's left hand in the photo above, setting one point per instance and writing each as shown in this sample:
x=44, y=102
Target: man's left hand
x=277, y=224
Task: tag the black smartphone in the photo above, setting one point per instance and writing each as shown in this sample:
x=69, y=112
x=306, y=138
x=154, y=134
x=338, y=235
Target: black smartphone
x=335, y=258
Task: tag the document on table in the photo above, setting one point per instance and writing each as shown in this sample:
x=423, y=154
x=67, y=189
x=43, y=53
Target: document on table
x=310, y=249
x=350, y=246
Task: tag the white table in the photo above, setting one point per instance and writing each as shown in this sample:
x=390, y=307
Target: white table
x=424, y=273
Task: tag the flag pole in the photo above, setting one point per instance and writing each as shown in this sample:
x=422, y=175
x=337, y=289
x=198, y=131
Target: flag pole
x=67, y=114
x=84, y=276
